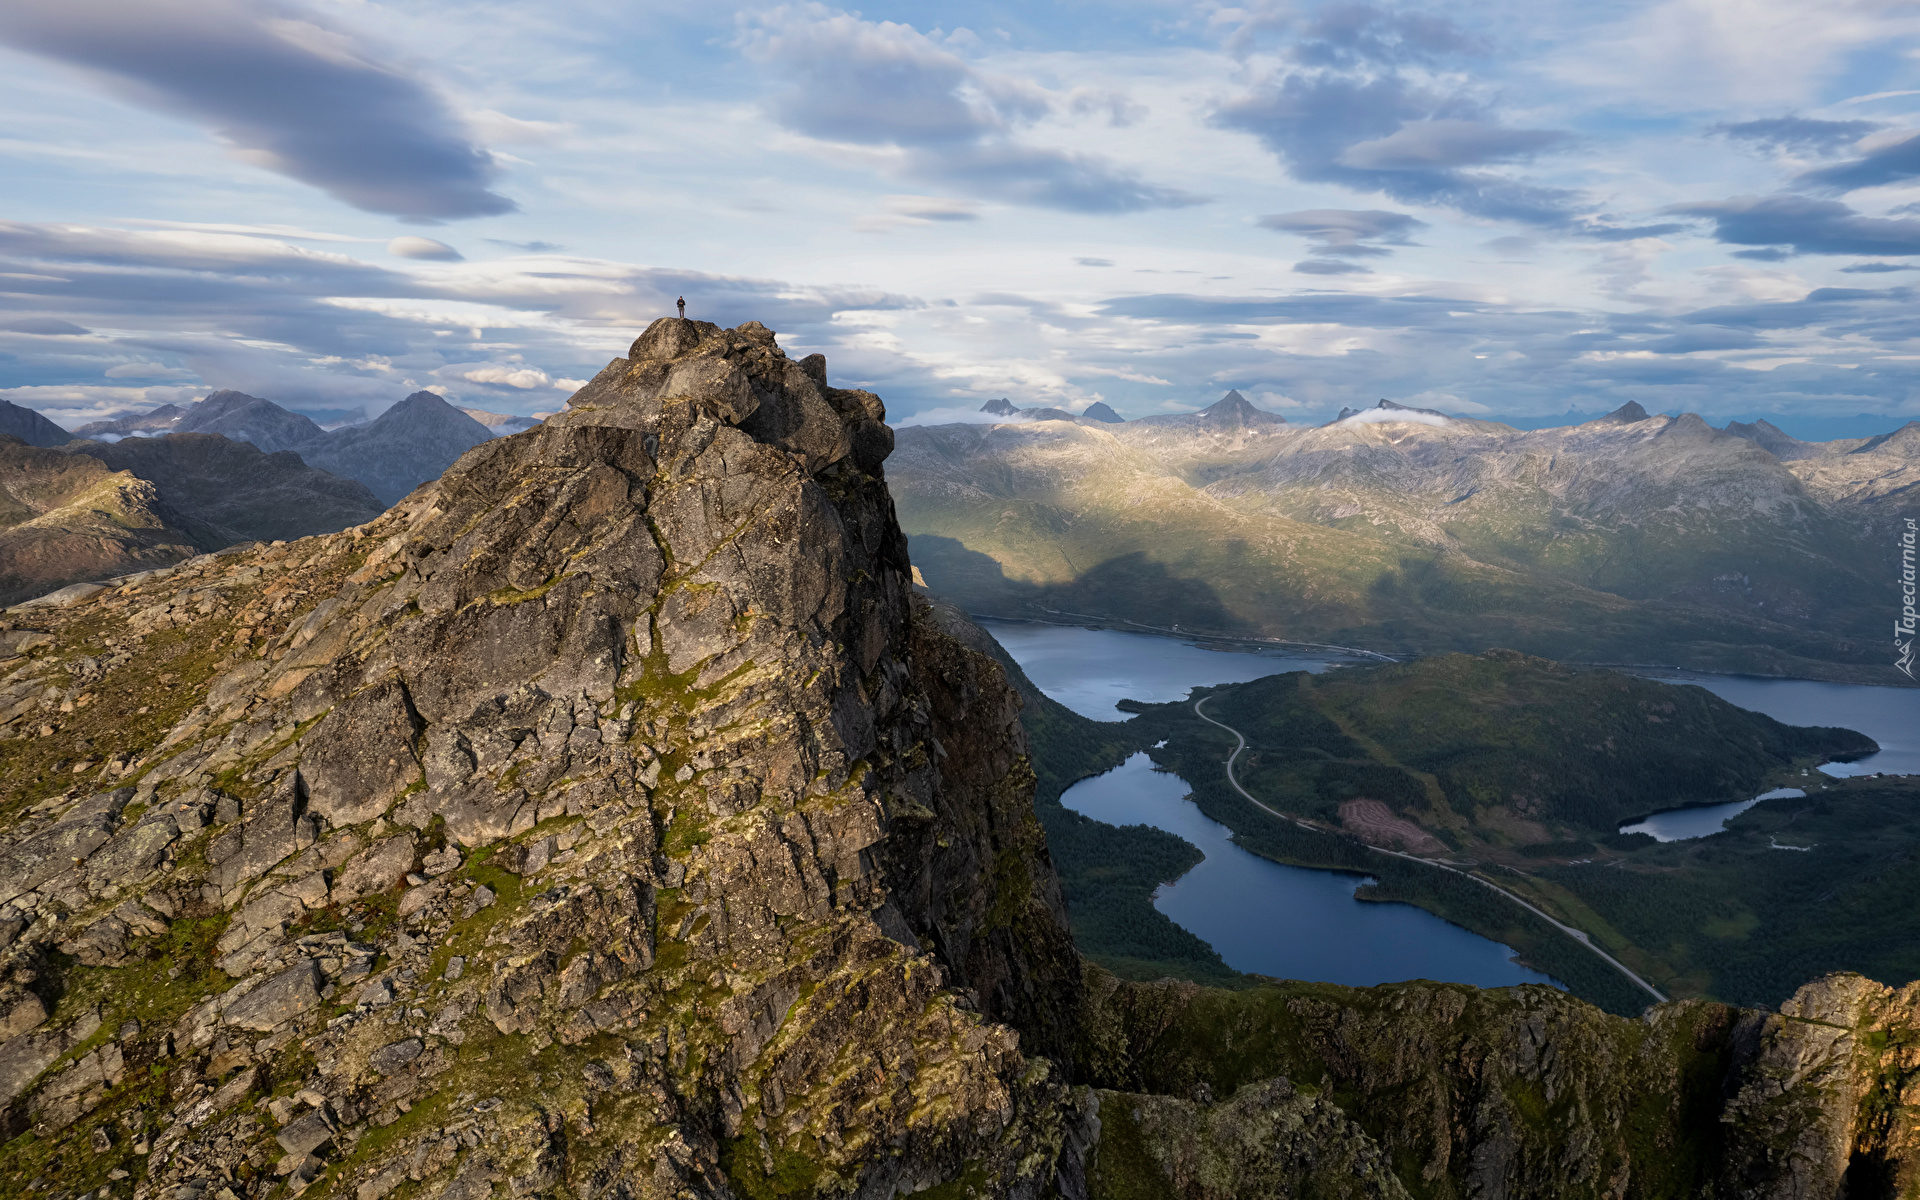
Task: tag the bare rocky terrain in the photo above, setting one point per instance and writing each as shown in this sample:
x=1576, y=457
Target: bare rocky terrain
x=609, y=819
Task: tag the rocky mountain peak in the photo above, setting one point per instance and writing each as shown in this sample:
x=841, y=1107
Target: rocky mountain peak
x=574, y=824
x=1771, y=438
x=1101, y=411
x=1626, y=414
x=1234, y=409
x=1002, y=407
x=682, y=375
x=30, y=427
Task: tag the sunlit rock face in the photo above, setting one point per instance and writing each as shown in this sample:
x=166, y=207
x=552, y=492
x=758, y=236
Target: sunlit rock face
x=606, y=816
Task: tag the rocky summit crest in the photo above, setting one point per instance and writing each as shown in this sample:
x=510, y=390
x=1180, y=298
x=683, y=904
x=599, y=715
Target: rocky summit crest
x=607, y=816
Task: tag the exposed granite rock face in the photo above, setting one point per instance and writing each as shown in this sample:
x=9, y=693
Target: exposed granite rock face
x=605, y=820
x=1521, y=1092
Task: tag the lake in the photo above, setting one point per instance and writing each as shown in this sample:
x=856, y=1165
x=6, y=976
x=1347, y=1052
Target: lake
x=1700, y=820
x=1089, y=669
x=1890, y=716
x=1261, y=916
x=1269, y=919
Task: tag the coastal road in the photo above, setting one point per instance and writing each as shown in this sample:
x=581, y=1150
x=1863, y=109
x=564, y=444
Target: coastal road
x=1578, y=935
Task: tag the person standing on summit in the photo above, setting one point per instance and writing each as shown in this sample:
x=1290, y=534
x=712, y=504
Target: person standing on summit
x=682, y=302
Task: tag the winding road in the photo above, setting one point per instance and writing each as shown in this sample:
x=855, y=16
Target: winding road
x=1240, y=743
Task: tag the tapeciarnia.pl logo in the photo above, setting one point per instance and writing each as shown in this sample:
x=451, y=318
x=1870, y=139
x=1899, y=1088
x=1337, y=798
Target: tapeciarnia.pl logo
x=1903, y=627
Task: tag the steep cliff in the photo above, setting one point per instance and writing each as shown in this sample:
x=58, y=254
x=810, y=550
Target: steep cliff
x=604, y=820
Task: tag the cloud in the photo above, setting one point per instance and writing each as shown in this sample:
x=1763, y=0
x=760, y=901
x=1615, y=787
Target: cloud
x=1803, y=224
x=310, y=328
x=1449, y=142
x=1358, y=105
x=1801, y=135
x=1330, y=266
x=509, y=376
x=1877, y=268
x=1890, y=162
x=43, y=326
x=423, y=248
x=282, y=90
x=1394, y=416
x=932, y=208
x=528, y=247
x=1346, y=232
x=1094, y=262
x=1117, y=107
x=146, y=370
x=885, y=84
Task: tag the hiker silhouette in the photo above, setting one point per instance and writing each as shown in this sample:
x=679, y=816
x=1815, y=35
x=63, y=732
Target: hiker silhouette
x=683, y=307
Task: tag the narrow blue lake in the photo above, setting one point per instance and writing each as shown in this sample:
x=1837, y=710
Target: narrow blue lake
x=1700, y=820
x=1289, y=922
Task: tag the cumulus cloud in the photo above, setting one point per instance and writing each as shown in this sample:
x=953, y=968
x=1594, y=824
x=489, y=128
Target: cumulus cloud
x=1347, y=232
x=508, y=376
x=1803, y=225
x=1355, y=105
x=423, y=248
x=885, y=84
x=282, y=90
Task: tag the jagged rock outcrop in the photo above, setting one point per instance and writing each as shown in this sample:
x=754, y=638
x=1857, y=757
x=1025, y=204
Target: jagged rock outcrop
x=604, y=820
x=1520, y=1092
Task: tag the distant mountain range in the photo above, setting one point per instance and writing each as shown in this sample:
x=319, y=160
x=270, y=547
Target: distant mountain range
x=149, y=489
x=1097, y=411
x=409, y=444
x=90, y=510
x=1630, y=539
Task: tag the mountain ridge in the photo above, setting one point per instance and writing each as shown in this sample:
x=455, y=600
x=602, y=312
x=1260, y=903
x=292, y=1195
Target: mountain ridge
x=1626, y=539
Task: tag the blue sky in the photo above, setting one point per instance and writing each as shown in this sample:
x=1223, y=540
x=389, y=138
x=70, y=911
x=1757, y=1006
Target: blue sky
x=1512, y=210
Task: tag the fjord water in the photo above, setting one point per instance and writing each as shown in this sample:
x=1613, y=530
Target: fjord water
x=1291, y=922
x=1089, y=669
x=1261, y=916
x=1888, y=715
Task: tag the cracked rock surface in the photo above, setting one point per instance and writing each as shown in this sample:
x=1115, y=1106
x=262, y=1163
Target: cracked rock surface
x=606, y=819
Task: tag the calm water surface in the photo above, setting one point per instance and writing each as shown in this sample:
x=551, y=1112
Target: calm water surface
x=1289, y=922
x=1089, y=669
x=1298, y=923
x=1261, y=916
x=1700, y=820
x=1890, y=716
